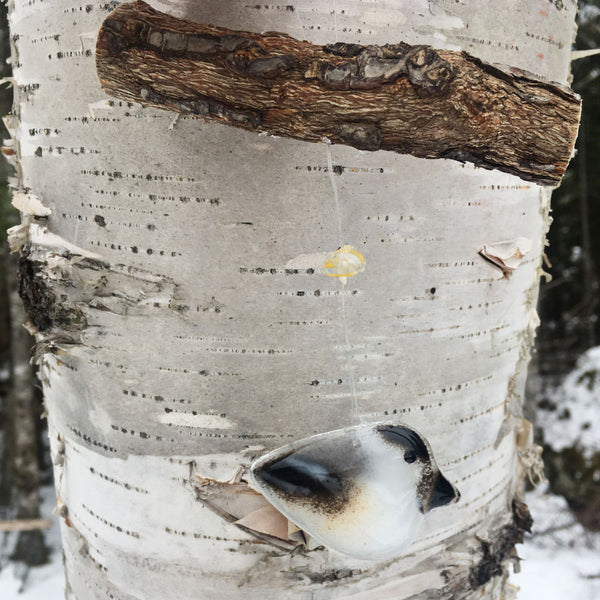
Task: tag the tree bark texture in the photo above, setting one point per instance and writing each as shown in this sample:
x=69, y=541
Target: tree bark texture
x=408, y=99
x=186, y=322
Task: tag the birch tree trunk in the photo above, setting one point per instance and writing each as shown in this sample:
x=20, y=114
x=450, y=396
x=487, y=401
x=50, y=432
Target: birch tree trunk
x=185, y=324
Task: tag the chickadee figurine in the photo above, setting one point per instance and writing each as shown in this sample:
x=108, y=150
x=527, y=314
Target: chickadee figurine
x=362, y=490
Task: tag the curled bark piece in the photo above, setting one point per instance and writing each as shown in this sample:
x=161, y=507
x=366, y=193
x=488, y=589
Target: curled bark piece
x=267, y=520
x=507, y=255
x=30, y=204
x=238, y=503
x=407, y=99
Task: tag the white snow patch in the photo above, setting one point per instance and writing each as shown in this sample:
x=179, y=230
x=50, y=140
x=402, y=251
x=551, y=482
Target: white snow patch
x=560, y=558
x=47, y=582
x=576, y=419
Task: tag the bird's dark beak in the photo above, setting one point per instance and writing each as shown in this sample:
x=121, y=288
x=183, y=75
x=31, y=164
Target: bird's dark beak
x=443, y=493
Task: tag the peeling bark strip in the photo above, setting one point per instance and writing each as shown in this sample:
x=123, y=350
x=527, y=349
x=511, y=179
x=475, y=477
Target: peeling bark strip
x=45, y=310
x=407, y=99
x=501, y=547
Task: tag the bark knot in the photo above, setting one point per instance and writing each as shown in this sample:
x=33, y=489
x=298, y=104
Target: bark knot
x=374, y=66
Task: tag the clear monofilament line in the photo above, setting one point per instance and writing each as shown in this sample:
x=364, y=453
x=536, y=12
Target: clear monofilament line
x=336, y=197
x=348, y=361
x=338, y=214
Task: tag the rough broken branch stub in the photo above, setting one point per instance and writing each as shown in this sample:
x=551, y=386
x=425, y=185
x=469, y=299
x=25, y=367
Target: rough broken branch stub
x=397, y=97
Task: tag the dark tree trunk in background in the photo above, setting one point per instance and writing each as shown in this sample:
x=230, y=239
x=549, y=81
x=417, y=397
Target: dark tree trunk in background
x=5, y=336
x=6, y=219
x=23, y=412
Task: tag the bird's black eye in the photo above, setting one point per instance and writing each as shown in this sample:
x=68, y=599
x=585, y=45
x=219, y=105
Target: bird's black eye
x=410, y=456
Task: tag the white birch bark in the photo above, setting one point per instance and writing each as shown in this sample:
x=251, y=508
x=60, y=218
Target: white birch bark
x=185, y=338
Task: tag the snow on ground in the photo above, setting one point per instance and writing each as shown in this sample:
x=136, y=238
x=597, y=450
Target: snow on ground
x=573, y=418
x=561, y=561
x=41, y=583
x=37, y=583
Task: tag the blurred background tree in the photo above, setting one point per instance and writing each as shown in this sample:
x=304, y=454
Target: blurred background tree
x=8, y=218
x=22, y=433
x=569, y=305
